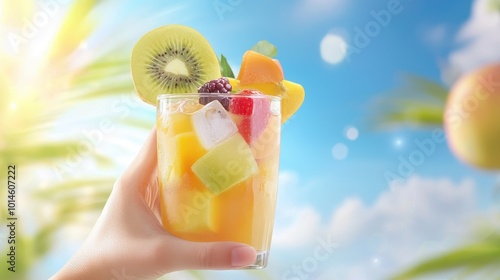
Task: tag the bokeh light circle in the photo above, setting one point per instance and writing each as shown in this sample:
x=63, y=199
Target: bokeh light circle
x=340, y=151
x=351, y=133
x=333, y=48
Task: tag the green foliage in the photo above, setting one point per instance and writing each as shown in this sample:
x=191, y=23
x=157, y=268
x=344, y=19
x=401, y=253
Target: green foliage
x=420, y=102
x=44, y=152
x=226, y=70
x=103, y=67
x=23, y=260
x=429, y=88
x=478, y=258
x=414, y=113
x=265, y=48
x=495, y=5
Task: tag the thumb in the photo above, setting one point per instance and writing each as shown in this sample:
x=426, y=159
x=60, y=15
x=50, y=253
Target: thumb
x=208, y=255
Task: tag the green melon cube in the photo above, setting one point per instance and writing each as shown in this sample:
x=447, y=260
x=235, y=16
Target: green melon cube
x=226, y=164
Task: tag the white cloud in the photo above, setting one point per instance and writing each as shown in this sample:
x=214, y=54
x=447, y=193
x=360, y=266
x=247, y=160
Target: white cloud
x=298, y=224
x=479, y=40
x=408, y=222
x=417, y=205
x=349, y=220
x=414, y=219
x=301, y=231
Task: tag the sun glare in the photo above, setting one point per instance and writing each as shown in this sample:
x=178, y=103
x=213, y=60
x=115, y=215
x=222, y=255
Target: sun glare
x=13, y=106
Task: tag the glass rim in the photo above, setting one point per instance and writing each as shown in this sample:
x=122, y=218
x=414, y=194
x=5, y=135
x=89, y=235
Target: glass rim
x=167, y=96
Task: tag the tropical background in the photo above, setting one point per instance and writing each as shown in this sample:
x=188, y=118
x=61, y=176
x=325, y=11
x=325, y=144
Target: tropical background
x=376, y=74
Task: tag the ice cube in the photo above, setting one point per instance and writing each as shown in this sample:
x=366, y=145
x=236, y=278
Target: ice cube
x=212, y=124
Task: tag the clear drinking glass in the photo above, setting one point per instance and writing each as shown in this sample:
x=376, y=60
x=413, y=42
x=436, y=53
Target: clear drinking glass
x=218, y=167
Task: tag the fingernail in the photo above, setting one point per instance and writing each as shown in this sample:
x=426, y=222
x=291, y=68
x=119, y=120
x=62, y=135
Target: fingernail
x=242, y=256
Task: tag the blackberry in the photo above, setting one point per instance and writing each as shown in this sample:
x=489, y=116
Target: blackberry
x=220, y=85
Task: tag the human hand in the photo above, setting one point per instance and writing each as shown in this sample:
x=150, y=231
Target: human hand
x=129, y=242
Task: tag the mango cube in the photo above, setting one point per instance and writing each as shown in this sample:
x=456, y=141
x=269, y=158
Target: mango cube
x=188, y=151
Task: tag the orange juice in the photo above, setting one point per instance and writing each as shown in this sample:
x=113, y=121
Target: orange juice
x=218, y=167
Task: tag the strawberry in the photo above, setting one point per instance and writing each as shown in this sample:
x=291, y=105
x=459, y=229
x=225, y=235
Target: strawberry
x=243, y=106
x=255, y=112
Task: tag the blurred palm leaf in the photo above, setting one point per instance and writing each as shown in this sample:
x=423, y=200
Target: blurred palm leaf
x=420, y=102
x=66, y=189
x=103, y=67
x=13, y=12
x=77, y=26
x=495, y=5
x=41, y=152
x=481, y=257
x=23, y=261
x=31, y=103
x=428, y=87
x=414, y=113
x=72, y=199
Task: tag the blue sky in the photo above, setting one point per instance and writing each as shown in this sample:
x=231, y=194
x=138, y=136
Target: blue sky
x=379, y=226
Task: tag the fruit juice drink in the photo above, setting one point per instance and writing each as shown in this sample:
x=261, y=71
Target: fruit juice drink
x=218, y=159
x=218, y=150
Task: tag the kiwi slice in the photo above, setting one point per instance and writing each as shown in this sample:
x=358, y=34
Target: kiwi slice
x=172, y=59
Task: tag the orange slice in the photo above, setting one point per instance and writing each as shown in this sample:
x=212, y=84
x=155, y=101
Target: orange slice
x=258, y=68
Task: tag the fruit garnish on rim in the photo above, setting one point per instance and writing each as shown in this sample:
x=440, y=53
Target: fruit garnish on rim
x=254, y=111
x=220, y=85
x=172, y=59
x=261, y=72
x=178, y=59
